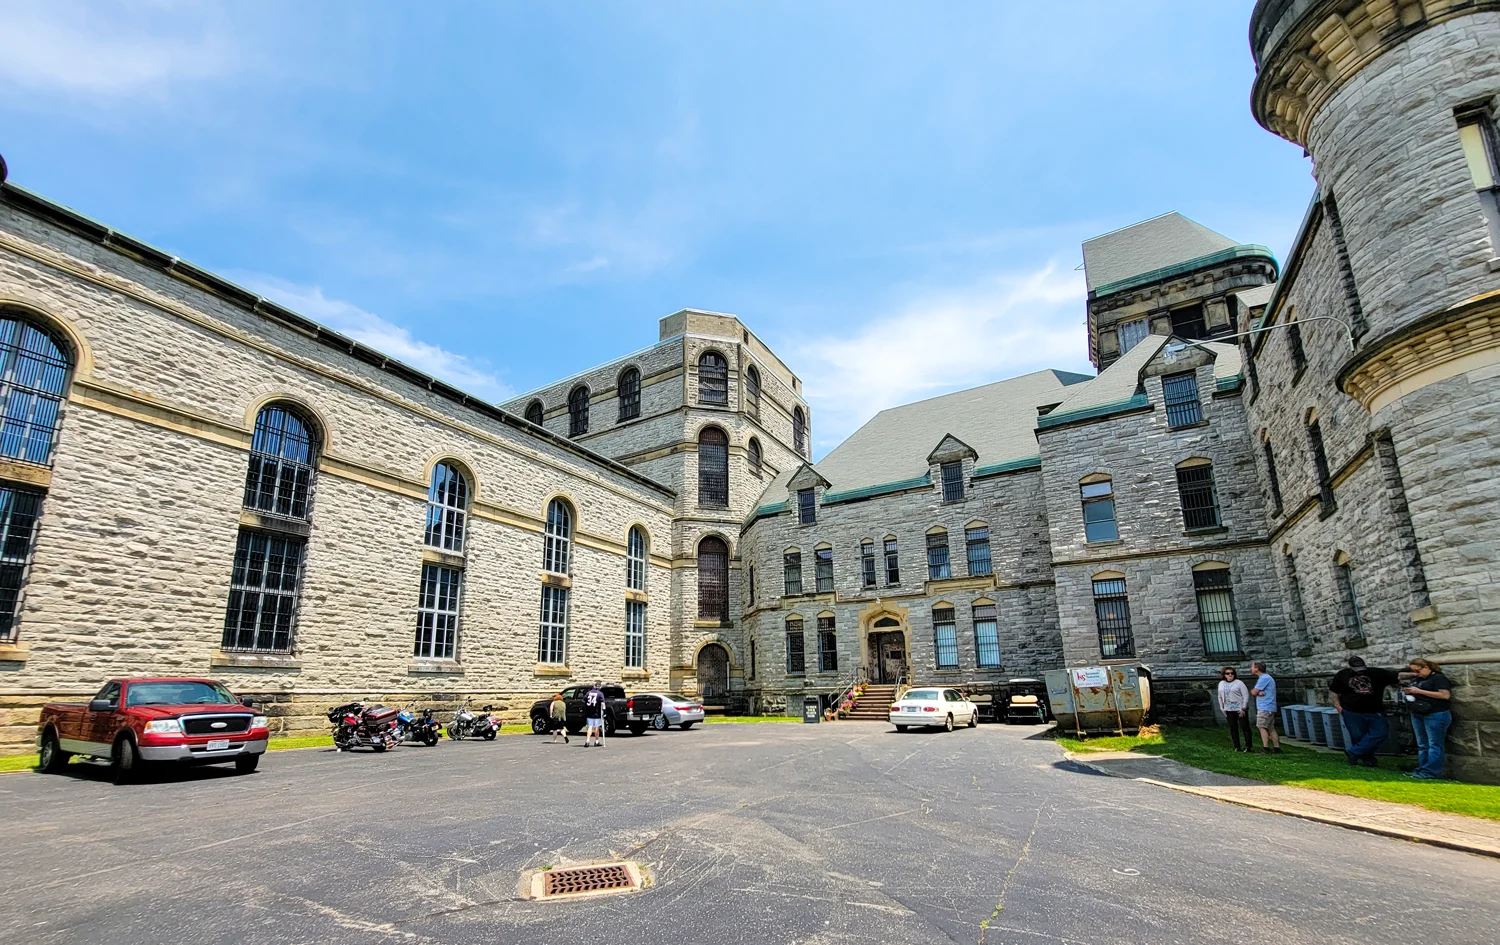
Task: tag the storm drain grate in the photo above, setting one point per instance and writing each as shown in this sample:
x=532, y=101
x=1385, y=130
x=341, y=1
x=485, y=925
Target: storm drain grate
x=576, y=880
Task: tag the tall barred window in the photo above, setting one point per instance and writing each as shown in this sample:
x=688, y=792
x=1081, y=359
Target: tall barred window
x=282, y=463
x=33, y=383
x=630, y=394
x=828, y=646
x=791, y=573
x=1273, y=478
x=1195, y=487
x=635, y=559
x=1180, y=392
x=552, y=646
x=1321, y=472
x=953, y=481
x=753, y=456
x=1216, y=611
x=945, y=637
x=752, y=391
x=986, y=637
x=1112, y=613
x=750, y=584
x=799, y=432
x=19, y=511
x=557, y=540
x=892, y=562
x=713, y=379
x=977, y=544
x=447, y=508
x=635, y=634
x=823, y=569
x=578, y=411
x=938, y=564
x=807, y=507
x=263, y=592
x=867, y=563
x=713, y=579
x=713, y=468
x=796, y=660
x=437, y=613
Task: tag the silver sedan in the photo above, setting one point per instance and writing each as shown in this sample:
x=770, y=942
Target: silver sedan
x=678, y=710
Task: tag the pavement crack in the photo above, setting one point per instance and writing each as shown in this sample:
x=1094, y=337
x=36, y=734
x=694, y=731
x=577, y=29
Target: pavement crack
x=1025, y=852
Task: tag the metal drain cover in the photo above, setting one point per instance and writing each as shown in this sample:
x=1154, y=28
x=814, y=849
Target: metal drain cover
x=599, y=879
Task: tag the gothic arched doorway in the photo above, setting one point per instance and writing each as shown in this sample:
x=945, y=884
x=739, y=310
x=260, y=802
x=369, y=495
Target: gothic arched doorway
x=713, y=674
x=887, y=652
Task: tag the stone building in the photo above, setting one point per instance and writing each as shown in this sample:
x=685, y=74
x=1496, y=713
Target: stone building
x=1291, y=462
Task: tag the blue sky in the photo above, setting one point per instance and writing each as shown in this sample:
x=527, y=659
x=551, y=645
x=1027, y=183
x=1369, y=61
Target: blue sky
x=891, y=194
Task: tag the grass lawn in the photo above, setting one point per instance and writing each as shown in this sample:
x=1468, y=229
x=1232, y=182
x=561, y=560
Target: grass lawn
x=739, y=719
x=1208, y=748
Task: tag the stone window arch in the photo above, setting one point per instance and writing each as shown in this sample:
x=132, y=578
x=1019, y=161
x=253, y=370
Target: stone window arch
x=629, y=390
x=752, y=391
x=713, y=379
x=578, y=411
x=557, y=538
x=534, y=412
x=939, y=563
x=753, y=456
x=799, y=432
x=447, y=507
x=637, y=548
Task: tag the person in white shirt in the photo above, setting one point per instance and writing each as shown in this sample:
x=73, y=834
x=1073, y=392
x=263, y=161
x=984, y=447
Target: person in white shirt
x=1234, y=702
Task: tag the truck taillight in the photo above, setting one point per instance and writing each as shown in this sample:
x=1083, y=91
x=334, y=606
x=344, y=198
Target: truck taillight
x=630, y=704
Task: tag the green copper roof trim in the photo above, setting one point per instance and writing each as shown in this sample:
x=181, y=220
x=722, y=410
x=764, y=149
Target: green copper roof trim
x=885, y=488
x=1243, y=251
x=1030, y=462
x=1229, y=383
x=1103, y=410
x=765, y=511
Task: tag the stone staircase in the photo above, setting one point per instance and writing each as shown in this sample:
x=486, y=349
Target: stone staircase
x=874, y=705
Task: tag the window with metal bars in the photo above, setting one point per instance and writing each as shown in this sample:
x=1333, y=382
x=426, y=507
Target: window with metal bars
x=447, y=508
x=1320, y=468
x=1353, y=621
x=752, y=391
x=828, y=646
x=791, y=573
x=1099, y=511
x=823, y=569
x=552, y=644
x=1272, y=477
x=867, y=564
x=263, y=592
x=630, y=394
x=578, y=411
x=713, y=579
x=280, y=477
x=534, y=412
x=807, y=507
x=938, y=565
x=1180, y=392
x=1200, y=503
x=953, y=481
x=33, y=383
x=557, y=540
x=437, y=613
x=635, y=559
x=750, y=583
x=796, y=661
x=892, y=562
x=986, y=637
x=1216, y=612
x=713, y=379
x=753, y=456
x=752, y=661
x=1294, y=347
x=635, y=634
x=1112, y=613
x=945, y=637
x=799, y=432
x=1188, y=323
x=977, y=544
x=19, y=511
x=713, y=468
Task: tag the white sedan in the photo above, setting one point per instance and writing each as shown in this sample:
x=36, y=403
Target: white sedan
x=677, y=710
x=931, y=707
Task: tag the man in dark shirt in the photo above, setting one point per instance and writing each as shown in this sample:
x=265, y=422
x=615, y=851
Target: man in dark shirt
x=1359, y=696
x=593, y=713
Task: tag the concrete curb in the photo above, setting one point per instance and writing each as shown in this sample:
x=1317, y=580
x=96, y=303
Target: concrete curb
x=1476, y=848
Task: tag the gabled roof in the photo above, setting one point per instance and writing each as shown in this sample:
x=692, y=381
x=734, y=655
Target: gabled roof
x=1119, y=387
x=1257, y=296
x=951, y=445
x=1158, y=243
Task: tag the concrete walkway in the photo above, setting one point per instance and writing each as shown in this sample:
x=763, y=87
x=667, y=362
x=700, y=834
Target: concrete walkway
x=1455, y=831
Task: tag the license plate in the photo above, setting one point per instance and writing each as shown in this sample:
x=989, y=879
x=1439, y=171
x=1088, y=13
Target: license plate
x=910, y=708
x=218, y=744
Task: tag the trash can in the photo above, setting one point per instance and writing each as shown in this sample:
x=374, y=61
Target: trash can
x=811, y=710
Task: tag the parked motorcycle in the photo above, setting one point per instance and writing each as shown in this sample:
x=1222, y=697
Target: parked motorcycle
x=414, y=726
x=356, y=725
x=467, y=724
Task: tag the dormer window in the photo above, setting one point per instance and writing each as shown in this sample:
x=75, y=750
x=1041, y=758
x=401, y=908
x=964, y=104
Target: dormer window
x=953, y=482
x=807, y=507
x=1180, y=393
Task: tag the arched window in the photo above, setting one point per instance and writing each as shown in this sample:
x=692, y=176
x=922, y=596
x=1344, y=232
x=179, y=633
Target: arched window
x=752, y=391
x=33, y=382
x=713, y=579
x=447, y=506
x=635, y=559
x=281, y=463
x=630, y=394
x=939, y=565
x=534, y=412
x=752, y=452
x=558, y=541
x=713, y=468
x=578, y=411
x=799, y=432
x=713, y=379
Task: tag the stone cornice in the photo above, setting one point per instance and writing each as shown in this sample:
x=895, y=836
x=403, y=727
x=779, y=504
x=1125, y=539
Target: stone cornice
x=1439, y=345
x=1307, y=49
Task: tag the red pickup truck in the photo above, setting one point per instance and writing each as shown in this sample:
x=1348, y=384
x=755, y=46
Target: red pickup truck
x=131, y=722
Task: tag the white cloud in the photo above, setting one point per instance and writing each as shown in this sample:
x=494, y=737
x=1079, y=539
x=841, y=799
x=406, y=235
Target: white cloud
x=468, y=374
x=82, y=50
x=1007, y=325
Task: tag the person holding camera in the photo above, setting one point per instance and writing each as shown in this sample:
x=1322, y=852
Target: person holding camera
x=1429, y=697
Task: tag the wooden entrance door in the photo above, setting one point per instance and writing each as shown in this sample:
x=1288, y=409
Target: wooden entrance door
x=887, y=656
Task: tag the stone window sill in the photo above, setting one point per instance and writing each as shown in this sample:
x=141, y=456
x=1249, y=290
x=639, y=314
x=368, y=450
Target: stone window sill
x=711, y=624
x=1107, y=543
x=1356, y=643
x=447, y=559
x=14, y=652
x=947, y=672
x=31, y=475
x=633, y=672
x=556, y=580
x=1494, y=264
x=1297, y=375
x=1188, y=426
x=265, y=521
x=435, y=667
x=222, y=660
x=1207, y=530
x=633, y=594
x=551, y=669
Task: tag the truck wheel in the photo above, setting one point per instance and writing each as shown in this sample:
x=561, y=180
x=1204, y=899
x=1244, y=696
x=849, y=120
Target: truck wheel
x=126, y=762
x=609, y=726
x=53, y=758
x=245, y=764
x=638, y=728
x=539, y=726
x=659, y=723
x=687, y=725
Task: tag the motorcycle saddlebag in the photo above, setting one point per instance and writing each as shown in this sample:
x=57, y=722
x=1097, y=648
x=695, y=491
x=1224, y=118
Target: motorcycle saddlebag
x=375, y=715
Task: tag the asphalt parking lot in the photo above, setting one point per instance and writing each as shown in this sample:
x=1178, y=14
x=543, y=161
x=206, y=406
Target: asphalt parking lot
x=760, y=833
